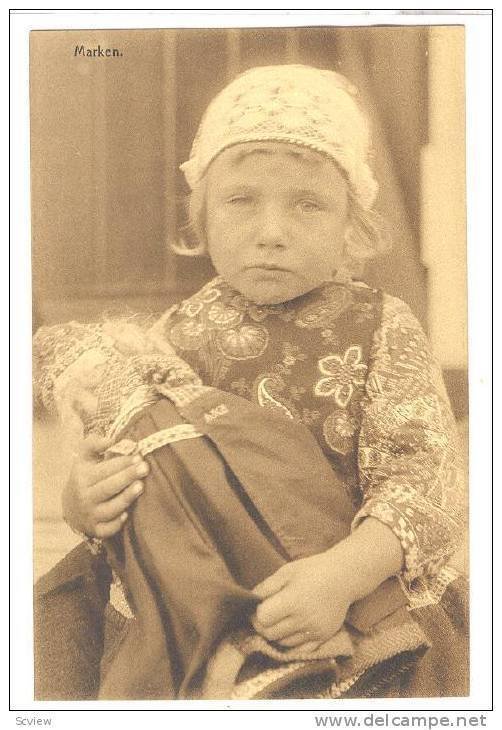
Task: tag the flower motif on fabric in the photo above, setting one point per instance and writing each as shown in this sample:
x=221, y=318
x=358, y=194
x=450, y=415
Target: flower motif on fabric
x=363, y=311
x=291, y=355
x=248, y=341
x=338, y=430
x=191, y=307
x=330, y=338
x=187, y=334
x=342, y=374
x=220, y=316
x=322, y=315
x=218, y=322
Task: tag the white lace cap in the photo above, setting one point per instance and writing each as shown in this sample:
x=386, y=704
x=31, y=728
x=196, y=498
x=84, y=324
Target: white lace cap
x=296, y=104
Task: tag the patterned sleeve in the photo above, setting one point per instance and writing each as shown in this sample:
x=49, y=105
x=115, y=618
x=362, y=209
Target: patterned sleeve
x=411, y=471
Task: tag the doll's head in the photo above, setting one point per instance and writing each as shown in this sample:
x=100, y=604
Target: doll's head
x=282, y=193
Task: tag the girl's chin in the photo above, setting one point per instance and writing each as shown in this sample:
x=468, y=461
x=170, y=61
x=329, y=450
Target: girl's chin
x=264, y=292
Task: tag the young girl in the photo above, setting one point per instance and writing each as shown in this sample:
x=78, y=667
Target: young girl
x=282, y=201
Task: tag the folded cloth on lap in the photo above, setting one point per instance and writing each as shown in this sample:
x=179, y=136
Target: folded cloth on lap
x=219, y=514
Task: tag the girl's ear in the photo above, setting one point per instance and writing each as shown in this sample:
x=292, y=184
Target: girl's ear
x=181, y=248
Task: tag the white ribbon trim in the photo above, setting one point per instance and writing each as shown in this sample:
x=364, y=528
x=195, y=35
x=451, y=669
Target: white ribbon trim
x=181, y=432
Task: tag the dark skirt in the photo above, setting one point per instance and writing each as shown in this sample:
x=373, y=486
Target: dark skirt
x=206, y=530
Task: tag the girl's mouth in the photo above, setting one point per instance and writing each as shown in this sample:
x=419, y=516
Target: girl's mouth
x=266, y=267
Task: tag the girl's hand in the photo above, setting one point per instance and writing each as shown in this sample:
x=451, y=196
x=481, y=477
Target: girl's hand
x=98, y=493
x=304, y=603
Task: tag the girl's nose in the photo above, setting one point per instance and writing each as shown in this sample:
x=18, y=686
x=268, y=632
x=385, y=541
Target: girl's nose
x=272, y=228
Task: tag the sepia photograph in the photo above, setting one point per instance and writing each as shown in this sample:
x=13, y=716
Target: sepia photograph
x=250, y=363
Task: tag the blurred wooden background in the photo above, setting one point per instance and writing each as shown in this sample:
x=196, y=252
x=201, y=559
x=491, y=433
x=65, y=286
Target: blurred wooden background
x=108, y=136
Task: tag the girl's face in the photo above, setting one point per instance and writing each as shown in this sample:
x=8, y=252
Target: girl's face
x=275, y=219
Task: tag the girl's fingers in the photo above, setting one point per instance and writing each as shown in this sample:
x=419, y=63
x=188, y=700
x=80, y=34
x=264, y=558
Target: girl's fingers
x=108, y=529
x=92, y=447
x=113, y=508
x=273, y=610
x=279, y=631
x=110, y=467
x=300, y=641
x=108, y=488
x=271, y=585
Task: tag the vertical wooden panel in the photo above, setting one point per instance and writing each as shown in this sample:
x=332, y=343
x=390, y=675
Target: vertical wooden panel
x=201, y=64
x=292, y=52
x=233, y=43
x=397, y=68
x=262, y=47
x=444, y=198
x=64, y=123
x=400, y=272
x=169, y=114
x=135, y=160
x=318, y=47
x=98, y=162
x=100, y=165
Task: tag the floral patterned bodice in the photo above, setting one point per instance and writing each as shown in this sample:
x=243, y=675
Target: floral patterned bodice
x=300, y=357
x=354, y=365
x=349, y=362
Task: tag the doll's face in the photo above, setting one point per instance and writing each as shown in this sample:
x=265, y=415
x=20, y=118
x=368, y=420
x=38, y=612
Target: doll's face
x=275, y=218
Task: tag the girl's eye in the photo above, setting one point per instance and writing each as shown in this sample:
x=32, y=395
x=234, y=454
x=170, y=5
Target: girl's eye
x=239, y=200
x=309, y=206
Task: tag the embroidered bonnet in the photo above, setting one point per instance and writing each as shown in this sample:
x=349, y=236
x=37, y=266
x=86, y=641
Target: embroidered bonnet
x=296, y=104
